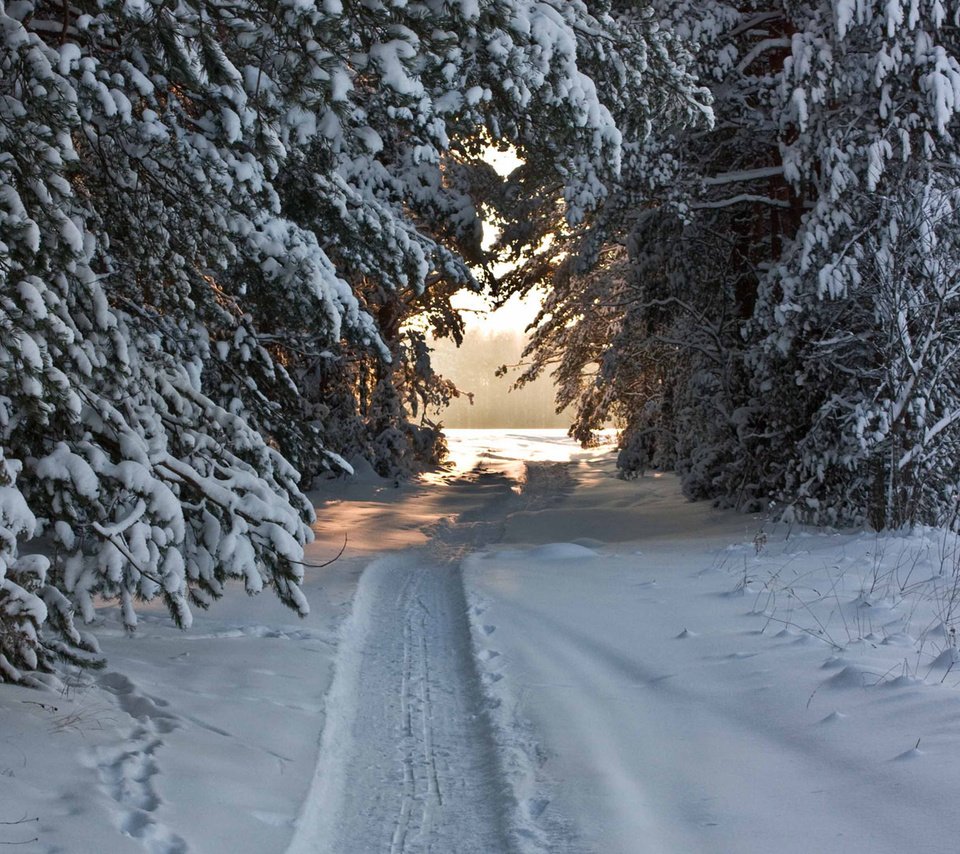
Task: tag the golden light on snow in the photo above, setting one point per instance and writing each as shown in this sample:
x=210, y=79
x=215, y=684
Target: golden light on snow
x=506, y=451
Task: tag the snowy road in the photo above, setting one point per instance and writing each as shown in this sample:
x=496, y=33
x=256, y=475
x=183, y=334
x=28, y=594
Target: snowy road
x=416, y=761
x=409, y=740
x=416, y=766
x=568, y=666
x=526, y=656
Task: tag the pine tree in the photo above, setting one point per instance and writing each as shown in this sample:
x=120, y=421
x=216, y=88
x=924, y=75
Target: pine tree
x=858, y=317
x=218, y=223
x=784, y=330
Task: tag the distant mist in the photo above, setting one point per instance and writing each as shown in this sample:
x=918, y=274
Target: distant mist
x=495, y=403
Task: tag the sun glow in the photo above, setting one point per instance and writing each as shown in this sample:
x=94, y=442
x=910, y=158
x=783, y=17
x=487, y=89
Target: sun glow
x=503, y=161
x=495, y=337
x=517, y=313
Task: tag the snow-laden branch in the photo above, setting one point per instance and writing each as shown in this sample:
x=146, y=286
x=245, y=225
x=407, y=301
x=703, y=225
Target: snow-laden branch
x=743, y=175
x=928, y=435
x=741, y=199
x=759, y=49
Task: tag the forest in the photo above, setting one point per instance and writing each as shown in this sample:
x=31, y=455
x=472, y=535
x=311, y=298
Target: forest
x=228, y=228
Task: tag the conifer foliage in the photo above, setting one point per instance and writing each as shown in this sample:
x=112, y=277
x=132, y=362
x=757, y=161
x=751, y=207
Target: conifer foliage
x=216, y=220
x=780, y=322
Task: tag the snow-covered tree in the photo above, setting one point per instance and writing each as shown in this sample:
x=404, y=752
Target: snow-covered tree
x=855, y=376
x=137, y=218
x=644, y=70
x=216, y=224
x=460, y=76
x=785, y=327
x=644, y=306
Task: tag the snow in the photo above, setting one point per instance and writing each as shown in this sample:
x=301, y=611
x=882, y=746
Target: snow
x=522, y=654
x=406, y=660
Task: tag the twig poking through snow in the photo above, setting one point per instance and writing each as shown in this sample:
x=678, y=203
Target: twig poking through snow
x=24, y=820
x=339, y=554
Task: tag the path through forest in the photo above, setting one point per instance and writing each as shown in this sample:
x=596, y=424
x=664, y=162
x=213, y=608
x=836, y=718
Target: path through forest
x=409, y=762
x=414, y=763
x=525, y=655
x=574, y=664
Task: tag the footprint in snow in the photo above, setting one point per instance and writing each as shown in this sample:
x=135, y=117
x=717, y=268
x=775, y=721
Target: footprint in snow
x=537, y=806
x=143, y=707
x=127, y=768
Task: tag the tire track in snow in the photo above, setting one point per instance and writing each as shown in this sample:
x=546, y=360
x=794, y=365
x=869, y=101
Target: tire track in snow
x=408, y=763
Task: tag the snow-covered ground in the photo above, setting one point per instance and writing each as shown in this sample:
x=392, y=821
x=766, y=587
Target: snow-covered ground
x=524, y=654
